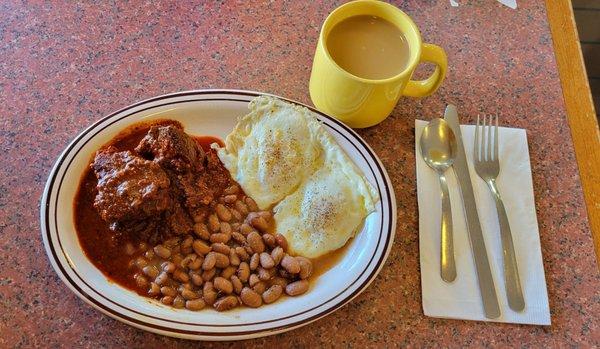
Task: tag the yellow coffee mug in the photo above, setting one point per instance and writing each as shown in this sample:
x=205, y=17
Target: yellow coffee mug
x=361, y=102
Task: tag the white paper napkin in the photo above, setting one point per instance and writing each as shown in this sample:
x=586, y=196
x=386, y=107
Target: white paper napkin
x=461, y=299
x=510, y=3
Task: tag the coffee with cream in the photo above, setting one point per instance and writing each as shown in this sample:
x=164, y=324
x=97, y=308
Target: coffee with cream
x=368, y=47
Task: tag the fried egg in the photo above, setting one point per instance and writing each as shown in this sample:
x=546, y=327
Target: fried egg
x=325, y=212
x=281, y=155
x=271, y=150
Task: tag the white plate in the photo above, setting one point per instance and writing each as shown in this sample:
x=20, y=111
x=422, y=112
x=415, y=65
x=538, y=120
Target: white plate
x=209, y=112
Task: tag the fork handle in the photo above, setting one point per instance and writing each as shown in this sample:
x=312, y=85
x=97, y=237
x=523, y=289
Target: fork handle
x=447, y=264
x=511, y=272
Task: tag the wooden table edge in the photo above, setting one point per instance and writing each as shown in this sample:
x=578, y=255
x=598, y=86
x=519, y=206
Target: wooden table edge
x=580, y=108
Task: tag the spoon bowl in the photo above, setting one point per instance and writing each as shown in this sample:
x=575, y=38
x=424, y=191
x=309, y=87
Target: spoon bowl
x=438, y=145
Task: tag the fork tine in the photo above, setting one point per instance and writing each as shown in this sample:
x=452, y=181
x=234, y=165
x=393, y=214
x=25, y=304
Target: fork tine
x=489, y=140
x=482, y=141
x=476, y=151
x=496, y=139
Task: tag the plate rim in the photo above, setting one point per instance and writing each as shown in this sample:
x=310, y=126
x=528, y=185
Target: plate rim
x=200, y=335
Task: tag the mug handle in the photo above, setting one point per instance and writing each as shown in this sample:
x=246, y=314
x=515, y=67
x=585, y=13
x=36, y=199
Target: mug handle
x=422, y=88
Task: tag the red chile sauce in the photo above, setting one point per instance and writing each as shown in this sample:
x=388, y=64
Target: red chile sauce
x=103, y=247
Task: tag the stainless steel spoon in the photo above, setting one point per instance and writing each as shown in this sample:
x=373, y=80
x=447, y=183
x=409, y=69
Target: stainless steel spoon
x=438, y=148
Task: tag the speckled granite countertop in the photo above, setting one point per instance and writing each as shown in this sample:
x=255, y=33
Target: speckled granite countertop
x=64, y=66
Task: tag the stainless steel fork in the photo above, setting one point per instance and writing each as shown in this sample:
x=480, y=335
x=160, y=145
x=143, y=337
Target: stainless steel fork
x=487, y=166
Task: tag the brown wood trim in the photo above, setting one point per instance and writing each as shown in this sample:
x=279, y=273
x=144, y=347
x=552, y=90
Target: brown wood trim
x=580, y=108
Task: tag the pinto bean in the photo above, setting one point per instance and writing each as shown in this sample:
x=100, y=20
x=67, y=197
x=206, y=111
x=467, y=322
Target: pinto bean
x=196, y=263
x=269, y=240
x=187, y=260
x=266, y=261
x=237, y=216
x=258, y=222
x=181, y=275
x=209, y=293
x=259, y=287
x=176, y=258
x=141, y=281
x=228, y=272
x=200, y=247
x=162, y=251
x=213, y=223
x=255, y=242
x=151, y=271
x=226, y=228
x=246, y=229
x=209, y=261
x=226, y=303
x=234, y=259
x=168, y=267
x=253, y=280
x=209, y=274
x=296, y=288
x=243, y=271
x=187, y=242
x=171, y=243
x=223, y=285
x=283, y=282
x=237, y=284
x=186, y=251
x=201, y=231
x=154, y=289
x=252, y=206
x=168, y=291
x=196, y=279
x=242, y=253
x=264, y=274
x=184, y=286
x=220, y=237
x=222, y=260
x=221, y=248
x=281, y=241
x=277, y=255
x=290, y=264
x=272, y=294
x=241, y=207
x=229, y=199
x=250, y=298
x=238, y=237
x=306, y=267
x=254, y=261
x=223, y=212
x=162, y=278
x=189, y=294
x=167, y=300
x=195, y=304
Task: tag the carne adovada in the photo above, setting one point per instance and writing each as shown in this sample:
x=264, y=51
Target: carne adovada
x=158, y=213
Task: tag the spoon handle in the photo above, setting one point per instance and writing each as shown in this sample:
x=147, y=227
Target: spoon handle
x=448, y=267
